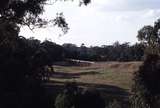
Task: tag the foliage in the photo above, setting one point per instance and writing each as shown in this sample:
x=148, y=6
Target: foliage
x=90, y=98
x=146, y=84
x=114, y=104
x=118, y=52
x=23, y=68
x=150, y=36
x=23, y=61
x=73, y=97
x=27, y=12
x=67, y=98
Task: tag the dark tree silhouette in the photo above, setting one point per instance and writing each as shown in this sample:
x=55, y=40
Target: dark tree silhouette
x=23, y=61
x=146, y=84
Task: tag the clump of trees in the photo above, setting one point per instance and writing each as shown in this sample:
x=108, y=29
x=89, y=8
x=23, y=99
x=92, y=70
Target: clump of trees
x=23, y=61
x=21, y=71
x=146, y=89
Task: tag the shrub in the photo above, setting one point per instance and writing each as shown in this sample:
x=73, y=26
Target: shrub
x=114, y=104
x=146, y=87
x=67, y=98
x=73, y=97
x=90, y=98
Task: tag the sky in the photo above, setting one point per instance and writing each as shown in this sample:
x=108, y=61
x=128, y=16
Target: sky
x=100, y=23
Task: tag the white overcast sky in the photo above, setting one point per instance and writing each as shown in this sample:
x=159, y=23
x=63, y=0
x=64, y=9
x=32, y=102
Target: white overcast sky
x=100, y=23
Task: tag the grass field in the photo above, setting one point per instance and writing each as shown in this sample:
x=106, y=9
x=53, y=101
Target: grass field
x=112, y=79
x=117, y=74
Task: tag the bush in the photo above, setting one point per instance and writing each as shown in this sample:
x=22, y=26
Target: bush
x=146, y=88
x=90, y=98
x=67, y=98
x=73, y=97
x=114, y=104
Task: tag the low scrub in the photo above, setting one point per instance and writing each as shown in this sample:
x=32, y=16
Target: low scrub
x=73, y=97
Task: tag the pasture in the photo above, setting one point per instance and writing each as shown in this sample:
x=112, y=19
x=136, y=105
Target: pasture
x=112, y=79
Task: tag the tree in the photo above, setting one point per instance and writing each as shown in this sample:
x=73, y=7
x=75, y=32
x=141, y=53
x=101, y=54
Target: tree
x=26, y=12
x=150, y=35
x=146, y=89
x=54, y=52
x=146, y=35
x=70, y=51
x=23, y=61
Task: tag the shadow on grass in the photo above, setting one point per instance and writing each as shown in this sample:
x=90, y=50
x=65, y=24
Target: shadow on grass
x=66, y=75
x=108, y=92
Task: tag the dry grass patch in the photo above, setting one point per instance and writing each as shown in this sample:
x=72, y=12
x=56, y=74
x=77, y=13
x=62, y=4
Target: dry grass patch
x=119, y=74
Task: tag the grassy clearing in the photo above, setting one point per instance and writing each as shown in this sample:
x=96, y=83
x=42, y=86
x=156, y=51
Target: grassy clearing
x=118, y=74
x=112, y=79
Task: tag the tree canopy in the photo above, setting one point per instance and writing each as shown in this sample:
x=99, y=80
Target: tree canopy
x=23, y=61
x=150, y=35
x=27, y=12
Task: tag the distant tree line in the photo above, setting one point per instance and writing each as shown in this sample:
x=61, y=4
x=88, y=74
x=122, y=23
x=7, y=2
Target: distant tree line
x=115, y=52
